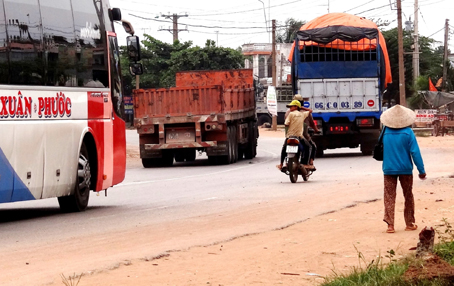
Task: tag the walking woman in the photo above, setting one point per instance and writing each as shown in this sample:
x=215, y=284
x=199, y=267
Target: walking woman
x=400, y=151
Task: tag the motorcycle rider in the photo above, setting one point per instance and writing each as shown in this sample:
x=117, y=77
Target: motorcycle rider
x=310, y=149
x=294, y=124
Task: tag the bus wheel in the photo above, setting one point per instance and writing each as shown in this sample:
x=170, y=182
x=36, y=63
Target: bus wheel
x=78, y=201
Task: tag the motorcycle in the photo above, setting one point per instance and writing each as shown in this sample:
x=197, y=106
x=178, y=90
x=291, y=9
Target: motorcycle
x=293, y=166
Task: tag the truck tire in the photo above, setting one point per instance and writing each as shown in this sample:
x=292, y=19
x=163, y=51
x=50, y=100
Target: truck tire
x=148, y=162
x=367, y=148
x=235, y=144
x=264, y=118
x=190, y=155
x=179, y=155
x=228, y=159
x=167, y=158
x=251, y=148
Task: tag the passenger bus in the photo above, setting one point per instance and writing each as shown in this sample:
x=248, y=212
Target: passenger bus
x=62, y=132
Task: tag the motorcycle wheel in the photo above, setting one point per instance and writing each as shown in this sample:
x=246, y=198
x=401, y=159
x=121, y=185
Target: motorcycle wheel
x=293, y=169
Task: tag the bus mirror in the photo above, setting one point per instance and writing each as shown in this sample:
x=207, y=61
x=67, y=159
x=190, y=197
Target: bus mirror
x=128, y=27
x=133, y=45
x=135, y=68
x=115, y=14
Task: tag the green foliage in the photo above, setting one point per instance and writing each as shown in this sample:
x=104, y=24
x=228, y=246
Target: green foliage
x=445, y=247
x=287, y=34
x=375, y=274
x=161, y=61
x=430, y=65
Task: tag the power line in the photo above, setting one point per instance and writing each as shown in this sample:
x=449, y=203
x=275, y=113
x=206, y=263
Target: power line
x=238, y=12
x=230, y=34
x=436, y=32
x=358, y=6
x=197, y=26
x=372, y=9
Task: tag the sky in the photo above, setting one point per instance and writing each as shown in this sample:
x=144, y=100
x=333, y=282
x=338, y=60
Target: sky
x=233, y=23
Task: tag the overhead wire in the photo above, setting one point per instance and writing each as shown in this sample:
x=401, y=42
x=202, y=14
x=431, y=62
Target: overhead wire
x=238, y=12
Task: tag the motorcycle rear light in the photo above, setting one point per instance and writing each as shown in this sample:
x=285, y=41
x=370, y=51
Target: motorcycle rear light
x=293, y=141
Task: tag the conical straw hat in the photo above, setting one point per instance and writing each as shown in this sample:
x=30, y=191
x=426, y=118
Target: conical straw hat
x=398, y=117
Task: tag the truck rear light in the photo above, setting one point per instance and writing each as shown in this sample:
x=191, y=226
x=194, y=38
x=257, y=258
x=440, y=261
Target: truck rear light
x=209, y=127
x=365, y=122
x=339, y=128
x=145, y=129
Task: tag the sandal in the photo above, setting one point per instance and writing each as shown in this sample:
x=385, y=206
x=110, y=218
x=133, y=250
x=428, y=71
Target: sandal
x=411, y=227
x=390, y=229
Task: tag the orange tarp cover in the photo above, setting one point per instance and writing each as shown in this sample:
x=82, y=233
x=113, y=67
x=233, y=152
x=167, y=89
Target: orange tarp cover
x=344, y=19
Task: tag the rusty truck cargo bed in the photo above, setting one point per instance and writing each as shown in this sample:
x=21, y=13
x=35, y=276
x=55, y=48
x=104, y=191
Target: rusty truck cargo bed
x=229, y=96
x=231, y=78
x=182, y=104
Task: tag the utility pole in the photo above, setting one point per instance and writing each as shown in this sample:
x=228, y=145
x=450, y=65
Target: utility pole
x=416, y=45
x=175, y=29
x=273, y=68
x=445, y=57
x=402, y=98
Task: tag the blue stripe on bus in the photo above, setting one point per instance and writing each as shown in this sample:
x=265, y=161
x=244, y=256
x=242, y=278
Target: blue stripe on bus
x=12, y=189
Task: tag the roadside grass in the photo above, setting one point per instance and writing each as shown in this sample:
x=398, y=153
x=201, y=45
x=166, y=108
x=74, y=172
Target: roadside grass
x=383, y=273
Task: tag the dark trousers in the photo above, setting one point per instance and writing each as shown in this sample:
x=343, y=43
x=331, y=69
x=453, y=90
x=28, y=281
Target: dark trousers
x=309, y=151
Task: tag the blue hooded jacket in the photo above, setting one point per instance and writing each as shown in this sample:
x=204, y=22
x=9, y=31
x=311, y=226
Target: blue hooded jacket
x=399, y=148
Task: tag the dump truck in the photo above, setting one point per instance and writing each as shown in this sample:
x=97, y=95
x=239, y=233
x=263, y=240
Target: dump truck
x=207, y=111
x=340, y=63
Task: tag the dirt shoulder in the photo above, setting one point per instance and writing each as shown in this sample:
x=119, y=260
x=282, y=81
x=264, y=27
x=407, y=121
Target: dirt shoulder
x=300, y=254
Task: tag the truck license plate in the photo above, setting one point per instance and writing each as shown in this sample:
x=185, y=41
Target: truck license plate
x=292, y=149
x=181, y=135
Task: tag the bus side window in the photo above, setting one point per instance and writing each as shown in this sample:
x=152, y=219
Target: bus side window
x=4, y=62
x=91, y=42
x=59, y=43
x=24, y=42
x=117, y=92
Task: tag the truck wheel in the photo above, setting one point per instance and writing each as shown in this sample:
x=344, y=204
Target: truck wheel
x=231, y=138
x=167, y=158
x=264, y=118
x=251, y=148
x=190, y=155
x=179, y=156
x=235, y=144
x=228, y=159
x=367, y=149
x=78, y=201
x=148, y=163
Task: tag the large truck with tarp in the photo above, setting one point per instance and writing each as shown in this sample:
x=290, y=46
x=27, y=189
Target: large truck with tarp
x=207, y=111
x=340, y=63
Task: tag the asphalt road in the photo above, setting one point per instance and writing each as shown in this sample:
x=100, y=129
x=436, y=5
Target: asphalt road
x=188, y=204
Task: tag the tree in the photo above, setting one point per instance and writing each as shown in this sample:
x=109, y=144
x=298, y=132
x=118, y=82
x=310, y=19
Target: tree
x=161, y=61
x=288, y=32
x=430, y=65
